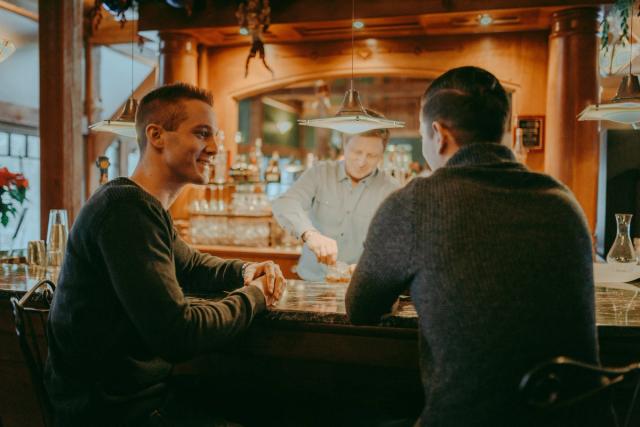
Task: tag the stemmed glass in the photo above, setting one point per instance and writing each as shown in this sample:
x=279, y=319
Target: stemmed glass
x=57, y=235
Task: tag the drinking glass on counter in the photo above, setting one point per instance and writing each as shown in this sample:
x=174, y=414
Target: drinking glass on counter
x=57, y=235
x=36, y=253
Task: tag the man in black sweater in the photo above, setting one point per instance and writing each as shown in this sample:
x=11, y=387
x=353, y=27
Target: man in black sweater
x=119, y=317
x=497, y=259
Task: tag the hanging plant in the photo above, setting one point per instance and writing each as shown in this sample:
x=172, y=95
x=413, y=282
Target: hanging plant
x=120, y=7
x=254, y=18
x=621, y=9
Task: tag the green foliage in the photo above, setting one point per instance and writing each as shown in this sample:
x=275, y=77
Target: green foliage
x=623, y=9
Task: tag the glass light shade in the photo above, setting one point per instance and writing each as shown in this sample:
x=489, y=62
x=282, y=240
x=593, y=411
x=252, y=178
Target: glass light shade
x=6, y=49
x=124, y=124
x=352, y=124
x=623, y=108
x=352, y=118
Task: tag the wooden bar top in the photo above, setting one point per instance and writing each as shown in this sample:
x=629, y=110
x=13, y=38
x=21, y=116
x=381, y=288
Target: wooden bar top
x=283, y=252
x=617, y=304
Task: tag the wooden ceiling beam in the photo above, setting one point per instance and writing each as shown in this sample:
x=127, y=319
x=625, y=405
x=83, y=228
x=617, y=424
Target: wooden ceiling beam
x=220, y=13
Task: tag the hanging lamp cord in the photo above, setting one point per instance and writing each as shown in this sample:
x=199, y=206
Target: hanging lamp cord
x=132, y=43
x=631, y=38
x=353, y=21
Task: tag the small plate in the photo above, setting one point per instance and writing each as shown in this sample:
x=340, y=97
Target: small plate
x=615, y=273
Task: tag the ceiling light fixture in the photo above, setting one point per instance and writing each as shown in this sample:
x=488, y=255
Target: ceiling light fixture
x=485, y=19
x=625, y=106
x=125, y=123
x=6, y=48
x=358, y=25
x=352, y=118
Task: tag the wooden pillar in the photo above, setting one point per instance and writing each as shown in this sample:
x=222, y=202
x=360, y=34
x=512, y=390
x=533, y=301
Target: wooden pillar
x=178, y=58
x=203, y=67
x=572, y=147
x=179, y=63
x=61, y=143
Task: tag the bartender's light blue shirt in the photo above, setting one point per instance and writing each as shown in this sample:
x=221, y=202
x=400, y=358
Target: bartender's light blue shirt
x=324, y=199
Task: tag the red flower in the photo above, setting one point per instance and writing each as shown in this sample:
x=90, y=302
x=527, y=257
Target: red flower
x=14, y=185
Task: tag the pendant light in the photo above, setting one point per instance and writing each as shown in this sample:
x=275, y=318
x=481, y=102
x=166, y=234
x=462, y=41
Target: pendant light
x=125, y=123
x=6, y=48
x=352, y=117
x=625, y=106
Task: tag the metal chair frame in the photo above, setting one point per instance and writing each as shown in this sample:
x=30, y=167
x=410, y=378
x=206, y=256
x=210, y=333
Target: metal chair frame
x=33, y=308
x=562, y=382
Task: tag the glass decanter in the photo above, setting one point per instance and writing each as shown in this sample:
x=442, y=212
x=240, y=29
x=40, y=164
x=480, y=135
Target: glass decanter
x=622, y=251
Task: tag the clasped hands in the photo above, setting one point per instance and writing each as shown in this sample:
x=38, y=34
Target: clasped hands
x=267, y=277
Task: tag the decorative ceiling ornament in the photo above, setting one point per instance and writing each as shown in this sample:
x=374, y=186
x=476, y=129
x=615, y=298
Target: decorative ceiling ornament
x=125, y=123
x=6, y=48
x=254, y=18
x=625, y=106
x=352, y=117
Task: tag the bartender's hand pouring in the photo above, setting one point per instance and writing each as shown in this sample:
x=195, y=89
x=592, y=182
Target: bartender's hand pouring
x=273, y=283
x=325, y=248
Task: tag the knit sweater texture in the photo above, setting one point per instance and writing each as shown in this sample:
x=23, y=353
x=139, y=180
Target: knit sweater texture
x=498, y=262
x=119, y=317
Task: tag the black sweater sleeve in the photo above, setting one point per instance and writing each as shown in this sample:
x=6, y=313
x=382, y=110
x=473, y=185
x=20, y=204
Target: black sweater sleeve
x=386, y=266
x=135, y=241
x=203, y=273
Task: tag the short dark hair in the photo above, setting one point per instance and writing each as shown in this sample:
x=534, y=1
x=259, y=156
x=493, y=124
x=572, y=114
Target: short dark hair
x=163, y=106
x=383, y=134
x=469, y=101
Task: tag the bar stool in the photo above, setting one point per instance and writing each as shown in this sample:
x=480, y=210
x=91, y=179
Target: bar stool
x=30, y=316
x=563, y=382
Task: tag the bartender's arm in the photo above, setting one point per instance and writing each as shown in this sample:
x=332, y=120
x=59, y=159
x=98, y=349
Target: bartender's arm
x=386, y=266
x=292, y=212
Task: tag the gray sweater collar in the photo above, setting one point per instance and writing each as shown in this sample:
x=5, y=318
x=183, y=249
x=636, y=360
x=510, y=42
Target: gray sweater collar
x=481, y=153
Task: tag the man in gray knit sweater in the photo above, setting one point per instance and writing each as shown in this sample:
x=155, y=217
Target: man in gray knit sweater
x=497, y=259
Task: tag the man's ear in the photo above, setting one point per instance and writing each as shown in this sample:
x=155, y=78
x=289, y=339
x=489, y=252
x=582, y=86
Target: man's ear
x=154, y=135
x=440, y=136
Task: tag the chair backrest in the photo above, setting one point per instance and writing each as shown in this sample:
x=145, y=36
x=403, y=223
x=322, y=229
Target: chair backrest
x=30, y=315
x=563, y=382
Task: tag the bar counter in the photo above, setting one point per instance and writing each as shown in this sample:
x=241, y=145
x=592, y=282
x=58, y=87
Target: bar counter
x=304, y=350
x=617, y=304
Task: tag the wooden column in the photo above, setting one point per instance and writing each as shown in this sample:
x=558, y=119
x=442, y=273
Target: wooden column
x=179, y=63
x=203, y=67
x=61, y=144
x=572, y=147
x=178, y=58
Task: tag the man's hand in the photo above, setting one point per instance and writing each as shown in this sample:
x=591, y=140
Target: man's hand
x=325, y=248
x=269, y=279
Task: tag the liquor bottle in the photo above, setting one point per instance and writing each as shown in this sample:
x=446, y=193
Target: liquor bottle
x=258, y=157
x=272, y=173
x=220, y=165
x=519, y=150
x=103, y=165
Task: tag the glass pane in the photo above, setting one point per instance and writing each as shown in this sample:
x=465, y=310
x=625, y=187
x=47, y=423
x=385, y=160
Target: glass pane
x=132, y=160
x=18, y=145
x=31, y=225
x=4, y=144
x=33, y=146
x=113, y=153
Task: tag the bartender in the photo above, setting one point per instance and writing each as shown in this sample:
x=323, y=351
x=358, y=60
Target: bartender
x=331, y=205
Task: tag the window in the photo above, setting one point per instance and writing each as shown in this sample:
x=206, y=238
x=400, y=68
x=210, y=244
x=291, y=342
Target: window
x=20, y=152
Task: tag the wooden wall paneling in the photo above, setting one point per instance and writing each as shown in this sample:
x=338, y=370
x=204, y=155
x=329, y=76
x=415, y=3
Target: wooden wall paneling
x=519, y=60
x=572, y=147
x=19, y=114
x=154, y=15
x=62, y=150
